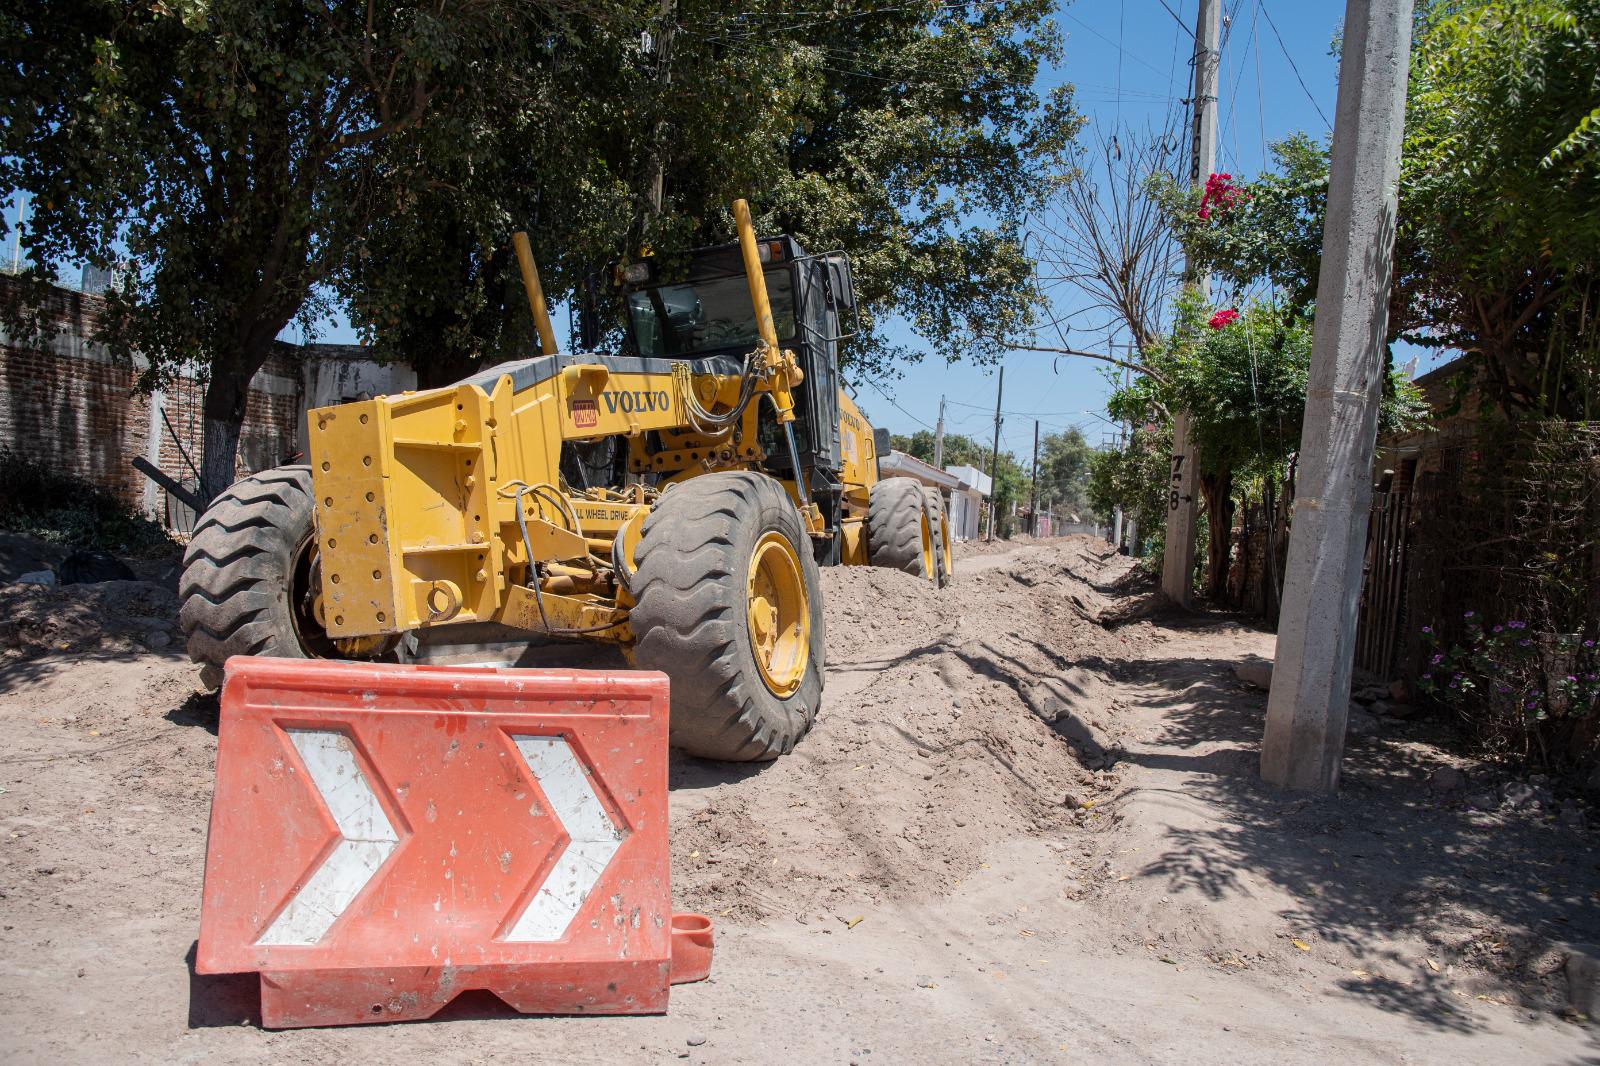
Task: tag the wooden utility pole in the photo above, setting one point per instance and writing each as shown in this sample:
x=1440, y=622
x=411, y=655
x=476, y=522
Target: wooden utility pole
x=1308, y=705
x=994, y=456
x=1183, y=501
x=938, y=438
x=1033, y=491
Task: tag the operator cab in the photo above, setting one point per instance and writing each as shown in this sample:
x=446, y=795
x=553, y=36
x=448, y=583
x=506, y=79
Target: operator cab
x=695, y=306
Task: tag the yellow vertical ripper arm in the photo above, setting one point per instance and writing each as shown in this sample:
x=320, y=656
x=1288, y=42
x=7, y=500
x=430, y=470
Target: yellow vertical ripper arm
x=781, y=370
x=530, y=282
x=778, y=367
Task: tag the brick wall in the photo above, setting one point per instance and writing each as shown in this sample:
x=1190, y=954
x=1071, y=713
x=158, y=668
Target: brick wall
x=66, y=403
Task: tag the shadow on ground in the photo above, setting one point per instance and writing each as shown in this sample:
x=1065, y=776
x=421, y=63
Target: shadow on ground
x=1385, y=860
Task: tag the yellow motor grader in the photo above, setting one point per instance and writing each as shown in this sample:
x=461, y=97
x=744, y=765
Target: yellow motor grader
x=675, y=498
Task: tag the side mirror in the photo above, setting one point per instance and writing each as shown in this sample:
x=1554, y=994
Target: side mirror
x=841, y=286
x=880, y=442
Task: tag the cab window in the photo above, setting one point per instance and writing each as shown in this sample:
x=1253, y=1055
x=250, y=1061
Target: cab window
x=704, y=316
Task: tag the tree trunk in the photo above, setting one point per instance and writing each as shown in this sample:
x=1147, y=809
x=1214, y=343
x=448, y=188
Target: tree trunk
x=224, y=409
x=1218, y=492
x=226, y=400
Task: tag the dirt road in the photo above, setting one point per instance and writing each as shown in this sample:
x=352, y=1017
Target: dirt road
x=1041, y=805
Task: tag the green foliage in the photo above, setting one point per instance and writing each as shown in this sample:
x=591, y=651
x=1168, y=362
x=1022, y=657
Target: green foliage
x=1244, y=386
x=1510, y=680
x=1497, y=252
x=1135, y=478
x=234, y=151
x=879, y=132
x=1064, y=463
x=1064, y=470
x=1273, y=232
x=1500, y=195
x=66, y=510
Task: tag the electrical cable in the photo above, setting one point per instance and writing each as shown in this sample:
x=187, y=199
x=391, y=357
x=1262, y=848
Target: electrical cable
x=521, y=487
x=1285, y=50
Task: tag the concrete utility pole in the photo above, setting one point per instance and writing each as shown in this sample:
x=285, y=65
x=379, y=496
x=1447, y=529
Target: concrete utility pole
x=1309, y=702
x=1183, y=502
x=994, y=456
x=1033, y=490
x=938, y=438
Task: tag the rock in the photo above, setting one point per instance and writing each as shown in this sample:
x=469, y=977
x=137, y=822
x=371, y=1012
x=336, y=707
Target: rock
x=1254, y=671
x=1359, y=723
x=1484, y=801
x=1583, y=979
x=1380, y=707
x=696, y=1040
x=1447, y=779
x=1519, y=795
x=157, y=639
x=37, y=577
x=1572, y=815
x=1398, y=693
x=92, y=567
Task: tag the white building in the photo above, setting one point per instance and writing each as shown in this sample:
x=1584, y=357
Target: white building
x=966, y=500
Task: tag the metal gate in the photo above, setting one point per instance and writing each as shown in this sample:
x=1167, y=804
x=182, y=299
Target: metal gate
x=1383, y=587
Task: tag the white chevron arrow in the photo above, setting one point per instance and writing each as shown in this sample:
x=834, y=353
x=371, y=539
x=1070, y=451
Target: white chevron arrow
x=368, y=839
x=594, y=839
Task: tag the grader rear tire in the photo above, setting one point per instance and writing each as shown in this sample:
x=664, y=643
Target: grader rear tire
x=899, y=532
x=943, y=554
x=729, y=606
x=248, y=576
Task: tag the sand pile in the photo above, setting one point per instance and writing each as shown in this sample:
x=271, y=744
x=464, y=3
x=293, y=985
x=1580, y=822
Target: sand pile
x=952, y=718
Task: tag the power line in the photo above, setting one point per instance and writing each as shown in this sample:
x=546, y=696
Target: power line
x=1285, y=50
x=896, y=405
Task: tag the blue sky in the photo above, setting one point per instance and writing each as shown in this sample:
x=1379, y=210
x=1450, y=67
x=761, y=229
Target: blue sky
x=1139, y=45
x=1129, y=60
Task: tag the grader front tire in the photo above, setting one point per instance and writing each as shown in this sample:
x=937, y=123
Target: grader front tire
x=899, y=531
x=728, y=605
x=248, y=584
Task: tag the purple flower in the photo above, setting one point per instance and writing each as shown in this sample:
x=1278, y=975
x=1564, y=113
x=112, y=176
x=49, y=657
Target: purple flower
x=1517, y=625
x=1469, y=614
x=1530, y=705
x=1427, y=677
x=1498, y=629
x=1588, y=644
x=1571, y=678
x=1524, y=643
x=1427, y=629
x=1436, y=660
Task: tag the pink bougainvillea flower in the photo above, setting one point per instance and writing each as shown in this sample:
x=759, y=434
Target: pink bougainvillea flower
x=1221, y=193
x=1223, y=318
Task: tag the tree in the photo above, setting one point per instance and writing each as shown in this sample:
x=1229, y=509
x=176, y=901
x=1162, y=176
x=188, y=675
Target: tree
x=1064, y=460
x=1498, y=249
x=234, y=151
x=1106, y=236
x=1242, y=378
x=879, y=130
x=1134, y=477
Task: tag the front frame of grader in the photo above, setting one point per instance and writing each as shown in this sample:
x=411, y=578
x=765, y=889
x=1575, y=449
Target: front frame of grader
x=447, y=506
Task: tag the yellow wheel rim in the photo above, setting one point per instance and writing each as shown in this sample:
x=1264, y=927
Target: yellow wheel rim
x=944, y=546
x=927, y=549
x=779, y=613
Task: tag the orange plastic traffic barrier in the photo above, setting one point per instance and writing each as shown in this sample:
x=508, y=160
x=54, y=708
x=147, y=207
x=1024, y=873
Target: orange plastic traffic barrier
x=384, y=838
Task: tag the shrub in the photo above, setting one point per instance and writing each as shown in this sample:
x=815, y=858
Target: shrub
x=67, y=510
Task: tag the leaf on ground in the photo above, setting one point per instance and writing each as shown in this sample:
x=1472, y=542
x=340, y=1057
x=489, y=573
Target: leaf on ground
x=1433, y=966
x=1301, y=944
x=851, y=923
